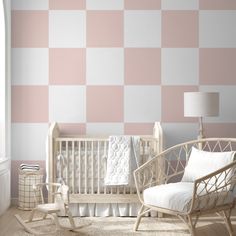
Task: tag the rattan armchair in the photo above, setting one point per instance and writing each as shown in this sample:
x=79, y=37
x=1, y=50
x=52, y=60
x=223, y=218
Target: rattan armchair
x=161, y=186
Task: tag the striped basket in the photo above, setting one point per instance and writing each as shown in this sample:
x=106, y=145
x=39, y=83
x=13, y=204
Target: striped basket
x=26, y=198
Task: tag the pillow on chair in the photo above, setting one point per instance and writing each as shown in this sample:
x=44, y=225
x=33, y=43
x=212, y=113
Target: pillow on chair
x=202, y=163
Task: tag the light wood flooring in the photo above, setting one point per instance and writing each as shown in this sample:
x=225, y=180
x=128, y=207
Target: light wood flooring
x=115, y=226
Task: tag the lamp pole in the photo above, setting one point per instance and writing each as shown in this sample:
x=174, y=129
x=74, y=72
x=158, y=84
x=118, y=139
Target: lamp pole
x=200, y=133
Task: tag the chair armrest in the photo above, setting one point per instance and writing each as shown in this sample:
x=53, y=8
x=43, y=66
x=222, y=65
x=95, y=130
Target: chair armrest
x=215, y=188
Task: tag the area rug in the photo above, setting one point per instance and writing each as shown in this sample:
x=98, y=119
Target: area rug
x=113, y=226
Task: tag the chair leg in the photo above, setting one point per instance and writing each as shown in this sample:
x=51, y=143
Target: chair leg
x=56, y=221
x=142, y=212
x=138, y=218
x=72, y=222
x=226, y=217
x=189, y=221
x=191, y=226
x=31, y=215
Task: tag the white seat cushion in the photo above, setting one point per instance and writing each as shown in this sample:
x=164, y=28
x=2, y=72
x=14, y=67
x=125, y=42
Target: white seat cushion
x=177, y=196
x=174, y=196
x=48, y=207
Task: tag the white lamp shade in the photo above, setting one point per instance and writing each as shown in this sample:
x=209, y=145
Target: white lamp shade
x=201, y=104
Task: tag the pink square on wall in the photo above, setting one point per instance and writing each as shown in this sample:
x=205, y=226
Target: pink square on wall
x=220, y=130
x=67, y=4
x=179, y=29
x=173, y=103
x=217, y=66
x=139, y=128
x=29, y=104
x=105, y=28
x=217, y=4
x=67, y=66
x=142, y=4
x=29, y=29
x=105, y=104
x=142, y=66
x=72, y=128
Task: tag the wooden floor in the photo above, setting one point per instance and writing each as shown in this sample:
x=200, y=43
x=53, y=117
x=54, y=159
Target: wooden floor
x=101, y=226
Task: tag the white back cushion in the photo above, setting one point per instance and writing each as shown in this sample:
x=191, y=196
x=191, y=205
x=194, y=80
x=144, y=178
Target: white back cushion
x=202, y=163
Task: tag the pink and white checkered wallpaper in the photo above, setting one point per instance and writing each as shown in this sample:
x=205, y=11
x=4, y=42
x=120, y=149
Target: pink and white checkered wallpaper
x=116, y=66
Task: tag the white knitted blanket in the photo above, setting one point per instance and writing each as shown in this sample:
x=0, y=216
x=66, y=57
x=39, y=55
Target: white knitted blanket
x=123, y=158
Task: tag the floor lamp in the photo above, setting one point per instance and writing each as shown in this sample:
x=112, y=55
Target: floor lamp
x=201, y=104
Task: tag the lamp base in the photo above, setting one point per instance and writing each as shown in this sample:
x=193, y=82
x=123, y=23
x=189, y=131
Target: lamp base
x=200, y=136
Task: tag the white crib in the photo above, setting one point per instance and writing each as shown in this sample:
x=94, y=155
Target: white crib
x=81, y=162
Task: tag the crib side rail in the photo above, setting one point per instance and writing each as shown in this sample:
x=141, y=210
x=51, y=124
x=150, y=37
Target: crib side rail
x=84, y=166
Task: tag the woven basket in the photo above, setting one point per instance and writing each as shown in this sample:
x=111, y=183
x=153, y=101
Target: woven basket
x=26, y=199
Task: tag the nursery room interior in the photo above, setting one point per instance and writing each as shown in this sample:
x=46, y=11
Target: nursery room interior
x=117, y=117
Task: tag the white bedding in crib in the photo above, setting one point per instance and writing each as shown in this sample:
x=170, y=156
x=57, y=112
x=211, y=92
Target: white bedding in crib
x=98, y=209
x=92, y=167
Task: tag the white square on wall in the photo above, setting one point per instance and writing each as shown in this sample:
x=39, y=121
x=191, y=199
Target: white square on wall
x=142, y=29
x=67, y=104
x=105, y=128
x=179, y=132
x=28, y=141
x=29, y=5
x=105, y=4
x=227, y=112
x=217, y=29
x=67, y=29
x=180, y=66
x=29, y=66
x=142, y=104
x=105, y=66
x=179, y=4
